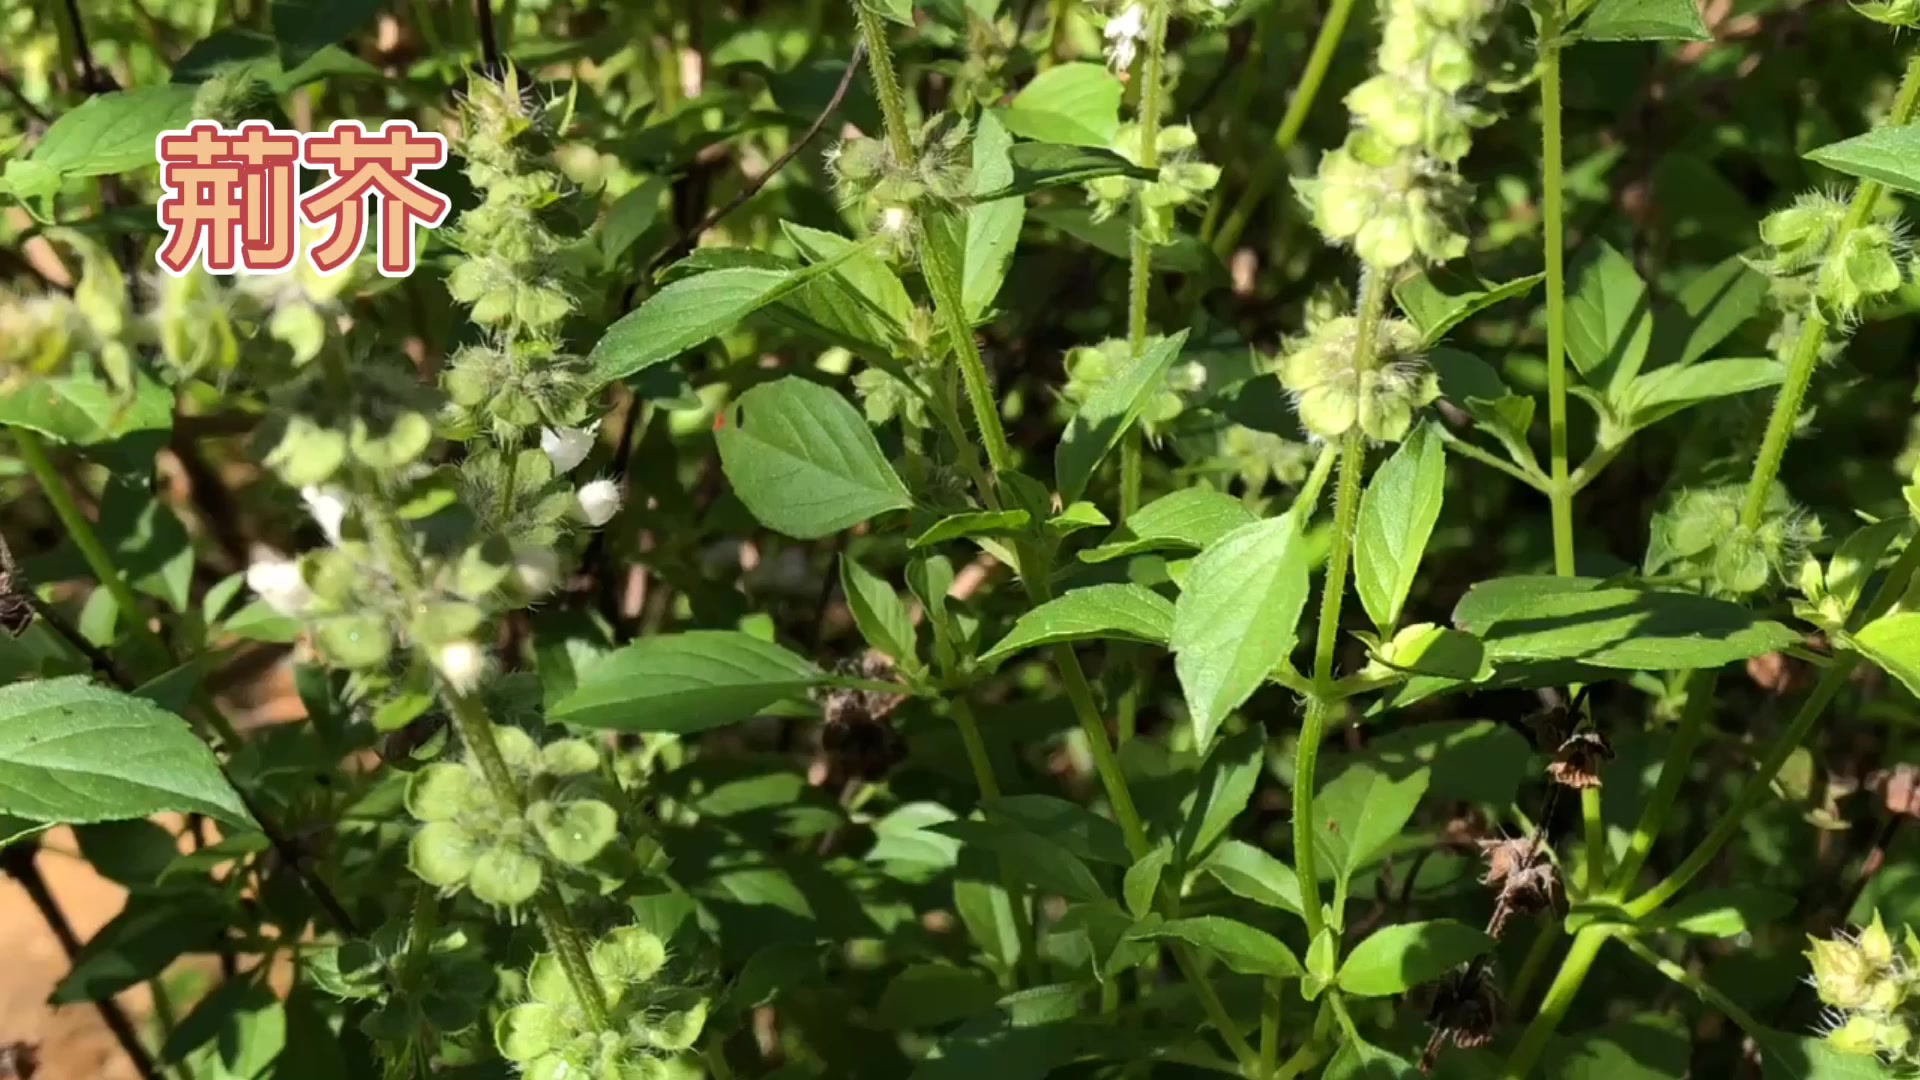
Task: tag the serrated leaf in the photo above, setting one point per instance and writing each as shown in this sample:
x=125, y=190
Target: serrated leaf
x=1220, y=793
x=1890, y=155
x=1437, y=300
x=1643, y=20
x=971, y=523
x=1240, y=947
x=75, y=752
x=1711, y=306
x=862, y=273
x=993, y=225
x=879, y=613
x=1237, y=616
x=804, y=461
x=1108, y=412
x=1037, y=166
x=113, y=133
x=685, y=682
x=1252, y=874
x=1121, y=612
x=1074, y=104
x=1397, y=515
x=1471, y=383
x=1544, y=618
x=1395, y=959
x=1188, y=519
x=83, y=411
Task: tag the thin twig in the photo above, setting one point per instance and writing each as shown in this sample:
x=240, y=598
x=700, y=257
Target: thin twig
x=18, y=862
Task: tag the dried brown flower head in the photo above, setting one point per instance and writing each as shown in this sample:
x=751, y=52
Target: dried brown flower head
x=16, y=605
x=1528, y=881
x=1577, y=762
x=856, y=740
x=1468, y=1007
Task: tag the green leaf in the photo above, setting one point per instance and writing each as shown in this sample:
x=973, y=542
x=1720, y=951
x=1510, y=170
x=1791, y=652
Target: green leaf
x=1664, y=391
x=153, y=930
x=113, y=133
x=900, y=11
x=1041, y=862
x=1893, y=642
x=83, y=411
x=75, y=752
x=934, y=995
x=246, y=1023
x=1360, y=1061
x=879, y=612
x=971, y=523
x=1545, y=618
x=1142, y=880
x=1395, y=959
x=1241, y=947
x=1086, y=834
x=1609, y=320
x=1712, y=306
x=1252, y=874
x=1226, y=782
x=1358, y=813
x=1643, y=20
x=134, y=852
x=1438, y=300
x=692, y=310
x=804, y=461
x=1075, y=104
x=1471, y=383
x=304, y=27
x=1890, y=155
x=1236, y=618
x=1108, y=412
x=685, y=682
x=993, y=225
x=1426, y=649
x=1122, y=612
x=864, y=275
x=1726, y=912
x=629, y=218
x=1037, y=166
x=1641, y=1048
x=1855, y=560
x=1188, y=519
x=1786, y=1056
x=1397, y=515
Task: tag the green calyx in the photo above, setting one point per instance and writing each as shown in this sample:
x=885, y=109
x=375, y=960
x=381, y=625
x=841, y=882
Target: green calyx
x=650, y=1020
x=1699, y=538
x=1334, y=389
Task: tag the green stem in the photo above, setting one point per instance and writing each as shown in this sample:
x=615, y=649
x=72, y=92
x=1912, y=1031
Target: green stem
x=943, y=278
x=1274, y=165
x=1536, y=960
x=1813, y=334
x=1346, y=506
x=1573, y=972
x=1699, y=986
x=1140, y=249
x=1056, y=34
x=1303, y=1059
x=989, y=784
x=1673, y=773
x=1593, y=871
x=1559, y=489
x=1270, y=1026
x=33, y=453
x=1460, y=446
x=1308, y=497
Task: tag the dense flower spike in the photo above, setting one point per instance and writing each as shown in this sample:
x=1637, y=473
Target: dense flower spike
x=550, y=1036
x=1869, y=985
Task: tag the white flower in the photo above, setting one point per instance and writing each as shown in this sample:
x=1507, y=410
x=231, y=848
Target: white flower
x=328, y=505
x=537, y=570
x=896, y=220
x=599, y=501
x=1125, y=32
x=568, y=447
x=462, y=664
x=280, y=583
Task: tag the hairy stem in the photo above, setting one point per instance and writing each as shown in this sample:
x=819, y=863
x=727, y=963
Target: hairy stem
x=1140, y=248
x=1813, y=333
x=1346, y=506
x=1560, y=488
x=1274, y=165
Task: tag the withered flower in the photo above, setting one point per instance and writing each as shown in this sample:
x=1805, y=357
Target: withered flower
x=1577, y=762
x=1467, y=1009
x=856, y=740
x=1529, y=882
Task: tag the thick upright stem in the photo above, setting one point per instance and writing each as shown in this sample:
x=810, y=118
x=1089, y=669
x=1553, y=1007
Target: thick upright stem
x=1560, y=489
x=1274, y=165
x=1152, y=104
x=1573, y=972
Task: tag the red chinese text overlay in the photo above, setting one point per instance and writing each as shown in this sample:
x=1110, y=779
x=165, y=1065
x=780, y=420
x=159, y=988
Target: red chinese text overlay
x=233, y=201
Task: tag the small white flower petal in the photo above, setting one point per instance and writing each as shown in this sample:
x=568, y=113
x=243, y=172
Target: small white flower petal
x=599, y=501
x=462, y=664
x=328, y=506
x=280, y=584
x=568, y=447
x=537, y=570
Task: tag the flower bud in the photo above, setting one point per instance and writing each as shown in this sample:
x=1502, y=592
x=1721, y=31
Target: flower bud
x=355, y=641
x=568, y=447
x=598, y=501
x=505, y=876
x=536, y=570
x=280, y=583
x=328, y=508
x=462, y=663
x=574, y=832
x=442, y=854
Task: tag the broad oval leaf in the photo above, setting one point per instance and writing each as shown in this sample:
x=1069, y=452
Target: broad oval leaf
x=685, y=682
x=1108, y=412
x=1395, y=959
x=1252, y=874
x=1543, y=618
x=1125, y=612
x=804, y=461
x=1437, y=301
x=75, y=752
x=1242, y=948
x=993, y=225
x=1643, y=20
x=1358, y=813
x=1037, y=860
x=971, y=523
x=1188, y=519
x=1075, y=104
x=1237, y=616
x=879, y=613
x=1890, y=155
x=84, y=411
x=1397, y=515
x=115, y=132
x=1893, y=642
